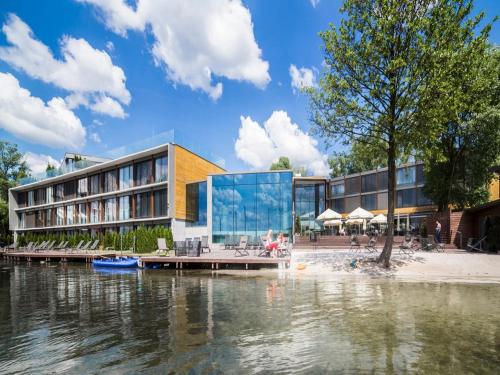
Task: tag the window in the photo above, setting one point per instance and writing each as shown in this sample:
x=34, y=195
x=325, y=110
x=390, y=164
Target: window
x=21, y=199
x=22, y=220
x=405, y=176
x=352, y=185
x=124, y=213
x=49, y=195
x=420, y=174
x=40, y=196
x=48, y=217
x=69, y=190
x=82, y=213
x=142, y=205
x=369, y=202
x=70, y=214
x=94, y=212
x=60, y=215
x=161, y=169
x=143, y=173
x=338, y=189
x=110, y=209
x=59, y=193
x=94, y=184
x=196, y=204
x=29, y=220
x=422, y=200
x=39, y=222
x=406, y=198
x=110, y=183
x=369, y=182
x=126, y=177
x=382, y=180
x=83, y=187
x=338, y=205
x=351, y=203
x=160, y=203
x=31, y=198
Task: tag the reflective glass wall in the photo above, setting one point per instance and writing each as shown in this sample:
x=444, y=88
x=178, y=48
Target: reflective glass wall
x=251, y=204
x=309, y=204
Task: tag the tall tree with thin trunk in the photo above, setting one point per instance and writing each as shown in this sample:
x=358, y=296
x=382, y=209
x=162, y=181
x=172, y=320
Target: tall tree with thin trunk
x=376, y=80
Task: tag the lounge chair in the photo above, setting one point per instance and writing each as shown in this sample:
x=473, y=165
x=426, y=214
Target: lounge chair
x=264, y=251
x=204, y=243
x=78, y=247
x=406, y=247
x=370, y=247
x=86, y=246
x=27, y=247
x=162, y=246
x=241, y=249
x=475, y=245
x=41, y=247
x=284, y=248
x=180, y=248
x=437, y=246
x=195, y=249
x=93, y=246
x=354, y=244
x=50, y=246
x=60, y=246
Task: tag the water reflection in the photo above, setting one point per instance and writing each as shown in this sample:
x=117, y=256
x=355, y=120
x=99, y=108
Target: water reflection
x=75, y=319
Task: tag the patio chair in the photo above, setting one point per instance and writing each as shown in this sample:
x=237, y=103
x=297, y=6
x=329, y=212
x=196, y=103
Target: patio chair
x=241, y=249
x=284, y=249
x=370, y=247
x=264, y=252
x=475, y=245
x=59, y=246
x=227, y=241
x=162, y=246
x=93, y=246
x=86, y=246
x=195, y=249
x=63, y=246
x=78, y=247
x=180, y=248
x=40, y=247
x=50, y=246
x=27, y=247
x=204, y=243
x=433, y=245
x=354, y=243
x=406, y=247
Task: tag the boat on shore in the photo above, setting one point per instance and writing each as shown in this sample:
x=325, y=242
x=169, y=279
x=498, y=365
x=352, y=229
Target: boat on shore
x=119, y=262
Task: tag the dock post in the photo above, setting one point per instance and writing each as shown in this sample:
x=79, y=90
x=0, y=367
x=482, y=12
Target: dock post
x=212, y=265
x=181, y=265
x=176, y=265
x=246, y=266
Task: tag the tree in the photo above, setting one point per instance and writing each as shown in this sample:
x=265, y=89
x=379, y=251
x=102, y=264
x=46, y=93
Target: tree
x=376, y=80
x=457, y=163
x=282, y=164
x=360, y=158
x=12, y=167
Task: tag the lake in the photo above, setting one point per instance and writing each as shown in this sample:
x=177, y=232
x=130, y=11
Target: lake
x=75, y=319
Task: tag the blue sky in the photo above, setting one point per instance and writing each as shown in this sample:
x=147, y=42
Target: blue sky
x=165, y=87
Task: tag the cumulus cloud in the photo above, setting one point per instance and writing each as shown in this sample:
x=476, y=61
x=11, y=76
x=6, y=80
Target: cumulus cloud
x=38, y=162
x=314, y=3
x=95, y=137
x=301, y=78
x=194, y=42
x=29, y=118
x=86, y=72
x=260, y=146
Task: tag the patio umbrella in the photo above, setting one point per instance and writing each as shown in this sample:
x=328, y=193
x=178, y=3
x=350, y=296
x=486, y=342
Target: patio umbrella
x=329, y=214
x=332, y=223
x=359, y=216
x=379, y=219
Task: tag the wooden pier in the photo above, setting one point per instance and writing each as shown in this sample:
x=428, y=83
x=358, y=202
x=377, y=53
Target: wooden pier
x=213, y=262
x=55, y=256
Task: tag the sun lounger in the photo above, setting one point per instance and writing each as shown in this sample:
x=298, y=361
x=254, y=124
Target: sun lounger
x=162, y=246
x=354, y=244
x=264, y=251
x=50, y=246
x=370, y=247
x=41, y=247
x=93, y=246
x=241, y=249
x=473, y=245
x=59, y=246
x=27, y=247
x=86, y=246
x=284, y=248
x=78, y=247
x=406, y=248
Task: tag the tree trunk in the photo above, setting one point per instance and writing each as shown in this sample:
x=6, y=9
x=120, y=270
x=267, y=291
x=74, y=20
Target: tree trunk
x=385, y=256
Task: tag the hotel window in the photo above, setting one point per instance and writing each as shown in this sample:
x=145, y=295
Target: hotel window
x=21, y=199
x=196, y=204
x=82, y=213
x=59, y=193
x=49, y=195
x=124, y=204
x=351, y=203
x=60, y=215
x=143, y=173
x=94, y=212
x=405, y=176
x=338, y=205
x=83, y=187
x=160, y=203
x=369, y=202
x=142, y=205
x=352, y=185
x=369, y=183
x=48, y=217
x=70, y=214
x=40, y=196
x=31, y=198
x=161, y=169
x=69, y=190
x=94, y=184
x=21, y=220
x=406, y=198
x=422, y=200
x=126, y=177
x=110, y=181
x=337, y=190
x=39, y=219
x=382, y=180
x=110, y=209
x=420, y=174
x=29, y=220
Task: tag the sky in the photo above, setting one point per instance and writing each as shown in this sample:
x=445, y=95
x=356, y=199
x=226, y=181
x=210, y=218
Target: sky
x=90, y=76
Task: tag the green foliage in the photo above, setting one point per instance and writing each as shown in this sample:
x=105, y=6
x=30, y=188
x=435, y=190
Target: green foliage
x=297, y=225
x=361, y=157
x=282, y=164
x=12, y=167
x=50, y=167
x=144, y=239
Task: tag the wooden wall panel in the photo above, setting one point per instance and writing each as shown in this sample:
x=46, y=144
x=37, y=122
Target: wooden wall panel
x=189, y=167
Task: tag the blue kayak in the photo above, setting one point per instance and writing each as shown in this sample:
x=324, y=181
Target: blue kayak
x=116, y=262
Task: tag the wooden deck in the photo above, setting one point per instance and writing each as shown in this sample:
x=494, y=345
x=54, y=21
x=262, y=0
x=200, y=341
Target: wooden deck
x=51, y=256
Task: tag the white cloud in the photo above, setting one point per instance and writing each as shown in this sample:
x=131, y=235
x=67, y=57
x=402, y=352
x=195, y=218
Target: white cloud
x=260, y=146
x=95, y=137
x=87, y=73
x=29, y=118
x=38, y=162
x=110, y=46
x=314, y=3
x=301, y=78
x=194, y=41
x=108, y=106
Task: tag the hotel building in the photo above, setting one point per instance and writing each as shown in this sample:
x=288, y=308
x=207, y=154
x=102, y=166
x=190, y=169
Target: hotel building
x=172, y=186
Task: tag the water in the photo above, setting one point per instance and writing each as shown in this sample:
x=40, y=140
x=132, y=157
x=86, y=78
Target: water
x=73, y=319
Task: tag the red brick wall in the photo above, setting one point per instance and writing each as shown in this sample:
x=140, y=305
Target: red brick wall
x=444, y=219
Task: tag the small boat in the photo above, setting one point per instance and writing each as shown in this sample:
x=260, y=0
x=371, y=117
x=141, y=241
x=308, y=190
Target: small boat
x=121, y=262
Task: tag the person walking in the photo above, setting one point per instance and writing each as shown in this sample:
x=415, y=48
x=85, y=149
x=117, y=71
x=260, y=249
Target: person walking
x=437, y=234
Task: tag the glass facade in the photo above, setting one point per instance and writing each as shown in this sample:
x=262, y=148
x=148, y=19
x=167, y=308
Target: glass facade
x=110, y=209
x=124, y=204
x=83, y=187
x=337, y=190
x=142, y=205
x=94, y=184
x=196, y=204
x=82, y=213
x=143, y=173
x=49, y=195
x=251, y=204
x=70, y=214
x=405, y=176
x=60, y=215
x=309, y=204
x=31, y=198
x=126, y=177
x=110, y=183
x=160, y=203
x=161, y=169
x=94, y=212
